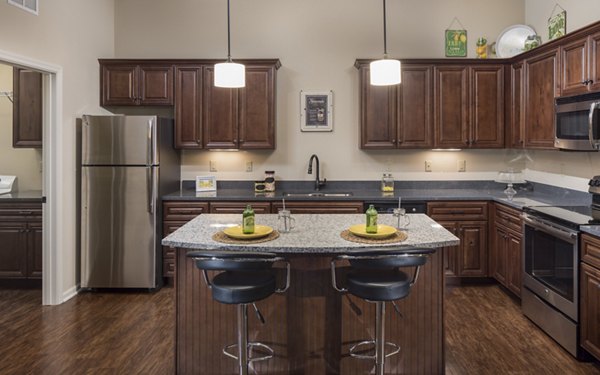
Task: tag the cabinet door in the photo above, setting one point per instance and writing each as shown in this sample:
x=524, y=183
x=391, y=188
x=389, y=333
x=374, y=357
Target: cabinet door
x=220, y=114
x=594, y=62
x=574, y=59
x=515, y=263
x=516, y=110
x=487, y=106
x=257, y=109
x=239, y=207
x=188, y=106
x=119, y=84
x=34, y=250
x=451, y=107
x=378, y=113
x=590, y=309
x=27, y=109
x=473, y=249
x=156, y=85
x=450, y=252
x=13, y=252
x=540, y=91
x=499, y=254
x=169, y=253
x=415, y=110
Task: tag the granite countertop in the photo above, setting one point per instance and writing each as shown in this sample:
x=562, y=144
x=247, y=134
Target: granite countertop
x=313, y=233
x=27, y=196
x=594, y=230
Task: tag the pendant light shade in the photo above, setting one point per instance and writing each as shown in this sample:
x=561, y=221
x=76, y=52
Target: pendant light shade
x=385, y=72
x=229, y=74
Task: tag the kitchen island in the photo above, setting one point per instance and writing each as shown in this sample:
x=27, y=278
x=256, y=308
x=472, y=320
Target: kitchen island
x=311, y=326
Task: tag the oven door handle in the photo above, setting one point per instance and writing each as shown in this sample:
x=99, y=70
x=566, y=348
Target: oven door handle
x=594, y=141
x=566, y=235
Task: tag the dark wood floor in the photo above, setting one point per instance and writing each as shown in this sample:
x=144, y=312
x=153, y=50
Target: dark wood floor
x=134, y=334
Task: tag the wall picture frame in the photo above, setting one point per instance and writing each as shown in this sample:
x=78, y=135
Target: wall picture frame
x=206, y=183
x=316, y=111
x=557, y=25
x=456, y=43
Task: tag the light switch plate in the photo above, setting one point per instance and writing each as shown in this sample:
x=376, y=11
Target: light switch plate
x=249, y=166
x=212, y=165
x=462, y=165
x=427, y=165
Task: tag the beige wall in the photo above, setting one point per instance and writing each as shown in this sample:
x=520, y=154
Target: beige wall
x=25, y=163
x=317, y=42
x=580, y=13
x=71, y=34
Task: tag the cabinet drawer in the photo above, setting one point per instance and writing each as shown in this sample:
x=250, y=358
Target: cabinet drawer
x=458, y=210
x=20, y=211
x=169, y=252
x=321, y=207
x=508, y=217
x=183, y=210
x=239, y=207
x=590, y=250
x=169, y=267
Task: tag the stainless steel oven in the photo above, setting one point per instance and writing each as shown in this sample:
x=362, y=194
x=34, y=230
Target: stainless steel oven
x=577, y=123
x=550, y=279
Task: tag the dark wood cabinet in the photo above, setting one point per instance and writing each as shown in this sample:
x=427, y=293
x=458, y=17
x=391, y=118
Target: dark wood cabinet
x=506, y=248
x=590, y=309
x=188, y=106
x=130, y=84
x=541, y=87
x=27, y=108
x=240, y=118
x=320, y=207
x=451, y=116
x=486, y=104
x=415, y=116
x=516, y=124
x=594, y=62
x=21, y=239
x=239, y=207
x=467, y=221
x=580, y=62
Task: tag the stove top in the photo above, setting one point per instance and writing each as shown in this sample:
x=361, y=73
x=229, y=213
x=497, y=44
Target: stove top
x=570, y=216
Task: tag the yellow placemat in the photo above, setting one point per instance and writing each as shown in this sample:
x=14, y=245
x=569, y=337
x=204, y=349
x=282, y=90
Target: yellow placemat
x=397, y=237
x=223, y=238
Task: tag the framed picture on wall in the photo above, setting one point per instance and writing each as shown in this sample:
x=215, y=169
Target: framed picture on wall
x=316, y=111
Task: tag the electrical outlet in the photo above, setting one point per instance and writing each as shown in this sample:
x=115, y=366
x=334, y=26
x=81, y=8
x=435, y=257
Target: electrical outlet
x=212, y=166
x=249, y=166
x=427, y=165
x=462, y=165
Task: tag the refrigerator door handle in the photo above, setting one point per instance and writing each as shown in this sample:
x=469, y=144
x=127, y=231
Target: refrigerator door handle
x=150, y=155
x=150, y=188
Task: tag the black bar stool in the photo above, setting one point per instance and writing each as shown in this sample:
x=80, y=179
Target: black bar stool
x=247, y=278
x=374, y=276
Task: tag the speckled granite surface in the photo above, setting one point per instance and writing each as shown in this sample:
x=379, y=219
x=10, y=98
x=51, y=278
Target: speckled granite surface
x=28, y=196
x=594, y=230
x=313, y=233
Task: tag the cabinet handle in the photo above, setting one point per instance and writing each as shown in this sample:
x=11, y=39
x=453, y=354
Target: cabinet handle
x=25, y=212
x=241, y=141
x=585, y=82
x=393, y=141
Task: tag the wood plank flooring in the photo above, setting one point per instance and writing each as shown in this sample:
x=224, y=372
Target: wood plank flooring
x=134, y=334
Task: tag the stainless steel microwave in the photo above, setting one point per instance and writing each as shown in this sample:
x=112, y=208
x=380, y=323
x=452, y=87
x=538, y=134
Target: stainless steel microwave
x=577, y=123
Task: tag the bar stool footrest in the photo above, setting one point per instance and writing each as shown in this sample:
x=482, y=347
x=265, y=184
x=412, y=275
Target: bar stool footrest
x=355, y=347
x=251, y=346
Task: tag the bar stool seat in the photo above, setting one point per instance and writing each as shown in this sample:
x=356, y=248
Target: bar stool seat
x=243, y=287
x=383, y=285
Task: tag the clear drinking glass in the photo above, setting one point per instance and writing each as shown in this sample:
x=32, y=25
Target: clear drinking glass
x=285, y=221
x=403, y=218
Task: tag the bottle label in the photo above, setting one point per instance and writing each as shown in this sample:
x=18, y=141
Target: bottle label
x=248, y=224
x=371, y=224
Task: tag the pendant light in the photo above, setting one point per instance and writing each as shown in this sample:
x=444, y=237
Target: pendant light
x=229, y=74
x=385, y=72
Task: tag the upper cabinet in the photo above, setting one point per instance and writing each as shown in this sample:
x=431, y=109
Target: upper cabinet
x=131, y=84
x=541, y=87
x=27, y=108
x=486, y=105
x=451, y=107
x=580, y=69
x=516, y=115
x=188, y=105
x=415, y=117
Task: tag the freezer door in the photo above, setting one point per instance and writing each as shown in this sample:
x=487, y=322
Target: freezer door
x=118, y=236
x=119, y=140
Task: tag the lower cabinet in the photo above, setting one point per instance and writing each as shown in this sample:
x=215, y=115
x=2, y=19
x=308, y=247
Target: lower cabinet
x=590, y=309
x=506, y=248
x=20, y=241
x=239, y=207
x=320, y=207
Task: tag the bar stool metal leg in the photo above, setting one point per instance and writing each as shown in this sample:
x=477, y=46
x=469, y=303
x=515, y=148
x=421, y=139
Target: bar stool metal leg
x=380, y=337
x=242, y=344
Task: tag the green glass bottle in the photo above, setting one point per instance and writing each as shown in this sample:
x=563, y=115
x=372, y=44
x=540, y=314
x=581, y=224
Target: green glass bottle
x=371, y=220
x=248, y=220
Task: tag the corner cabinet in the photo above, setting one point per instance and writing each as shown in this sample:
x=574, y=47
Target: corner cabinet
x=125, y=83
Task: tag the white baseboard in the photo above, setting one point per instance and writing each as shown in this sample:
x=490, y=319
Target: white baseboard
x=69, y=293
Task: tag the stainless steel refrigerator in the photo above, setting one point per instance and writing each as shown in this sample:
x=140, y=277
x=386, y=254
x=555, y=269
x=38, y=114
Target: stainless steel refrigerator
x=127, y=164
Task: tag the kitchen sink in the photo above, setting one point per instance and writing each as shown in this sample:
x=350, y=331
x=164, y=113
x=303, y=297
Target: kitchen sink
x=317, y=194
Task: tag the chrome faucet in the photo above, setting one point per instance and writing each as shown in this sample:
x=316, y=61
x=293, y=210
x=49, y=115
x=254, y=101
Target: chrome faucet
x=318, y=183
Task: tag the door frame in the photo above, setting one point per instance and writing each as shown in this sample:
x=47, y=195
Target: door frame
x=52, y=176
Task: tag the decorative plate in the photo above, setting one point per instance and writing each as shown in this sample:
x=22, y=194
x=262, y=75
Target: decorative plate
x=511, y=40
x=383, y=231
x=237, y=233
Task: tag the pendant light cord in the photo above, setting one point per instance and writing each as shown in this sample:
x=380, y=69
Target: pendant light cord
x=384, y=32
x=229, y=34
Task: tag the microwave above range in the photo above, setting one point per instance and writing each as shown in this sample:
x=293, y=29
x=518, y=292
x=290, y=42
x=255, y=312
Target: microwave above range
x=577, y=123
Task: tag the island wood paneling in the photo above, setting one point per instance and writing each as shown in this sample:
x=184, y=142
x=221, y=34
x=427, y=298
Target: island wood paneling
x=311, y=326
